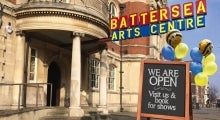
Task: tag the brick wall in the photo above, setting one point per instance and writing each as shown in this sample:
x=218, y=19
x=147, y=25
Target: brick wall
x=137, y=45
x=113, y=47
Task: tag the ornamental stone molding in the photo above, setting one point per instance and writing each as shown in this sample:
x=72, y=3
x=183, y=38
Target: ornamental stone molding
x=20, y=33
x=78, y=34
x=70, y=17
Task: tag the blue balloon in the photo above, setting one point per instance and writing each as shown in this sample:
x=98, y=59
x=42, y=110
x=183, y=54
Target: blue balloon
x=195, y=67
x=168, y=52
x=196, y=55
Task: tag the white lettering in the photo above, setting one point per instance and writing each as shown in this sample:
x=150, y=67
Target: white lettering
x=154, y=94
x=163, y=81
x=154, y=72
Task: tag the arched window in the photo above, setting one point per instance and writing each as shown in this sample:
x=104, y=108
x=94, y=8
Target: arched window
x=94, y=73
x=111, y=80
x=113, y=11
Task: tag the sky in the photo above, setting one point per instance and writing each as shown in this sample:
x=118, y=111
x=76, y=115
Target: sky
x=211, y=31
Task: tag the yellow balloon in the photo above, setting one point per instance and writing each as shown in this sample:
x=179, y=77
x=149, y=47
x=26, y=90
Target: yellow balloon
x=210, y=68
x=201, y=79
x=181, y=50
x=209, y=58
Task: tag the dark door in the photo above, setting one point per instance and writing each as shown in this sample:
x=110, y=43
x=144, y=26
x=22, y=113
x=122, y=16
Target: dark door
x=54, y=77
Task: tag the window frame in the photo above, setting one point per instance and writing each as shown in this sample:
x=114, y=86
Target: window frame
x=111, y=79
x=35, y=65
x=112, y=7
x=94, y=73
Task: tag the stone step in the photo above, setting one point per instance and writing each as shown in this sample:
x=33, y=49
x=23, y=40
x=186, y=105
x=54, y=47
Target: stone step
x=59, y=112
x=63, y=114
x=86, y=117
x=75, y=118
x=55, y=118
x=89, y=110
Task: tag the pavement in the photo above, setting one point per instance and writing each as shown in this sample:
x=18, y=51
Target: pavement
x=206, y=114
x=198, y=114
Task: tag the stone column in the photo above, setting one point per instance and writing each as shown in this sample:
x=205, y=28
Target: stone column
x=103, y=83
x=19, y=65
x=75, y=83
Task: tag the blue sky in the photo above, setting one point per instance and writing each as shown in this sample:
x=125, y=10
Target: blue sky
x=211, y=31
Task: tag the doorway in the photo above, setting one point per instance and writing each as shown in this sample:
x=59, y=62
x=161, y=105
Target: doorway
x=54, y=77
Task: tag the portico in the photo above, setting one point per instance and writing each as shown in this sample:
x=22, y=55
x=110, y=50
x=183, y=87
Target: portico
x=62, y=40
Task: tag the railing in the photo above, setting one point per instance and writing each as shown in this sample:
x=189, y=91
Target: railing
x=22, y=85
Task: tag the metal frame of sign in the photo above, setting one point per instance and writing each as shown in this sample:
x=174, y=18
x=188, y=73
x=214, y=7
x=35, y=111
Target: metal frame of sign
x=187, y=92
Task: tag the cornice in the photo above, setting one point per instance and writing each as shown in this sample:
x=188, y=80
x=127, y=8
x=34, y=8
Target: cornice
x=8, y=9
x=129, y=57
x=74, y=13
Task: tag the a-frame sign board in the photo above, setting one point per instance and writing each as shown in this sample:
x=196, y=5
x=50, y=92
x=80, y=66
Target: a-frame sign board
x=164, y=90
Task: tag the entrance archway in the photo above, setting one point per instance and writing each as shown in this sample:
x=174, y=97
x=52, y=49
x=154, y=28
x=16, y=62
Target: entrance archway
x=54, y=77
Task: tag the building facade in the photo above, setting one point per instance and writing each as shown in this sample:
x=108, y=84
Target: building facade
x=58, y=53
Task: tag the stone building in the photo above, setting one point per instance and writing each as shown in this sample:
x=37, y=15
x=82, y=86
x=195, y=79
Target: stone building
x=66, y=43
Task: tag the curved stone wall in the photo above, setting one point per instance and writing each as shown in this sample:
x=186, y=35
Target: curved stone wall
x=91, y=17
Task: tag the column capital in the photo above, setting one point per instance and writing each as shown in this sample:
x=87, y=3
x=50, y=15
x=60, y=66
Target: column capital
x=20, y=33
x=78, y=34
x=103, y=54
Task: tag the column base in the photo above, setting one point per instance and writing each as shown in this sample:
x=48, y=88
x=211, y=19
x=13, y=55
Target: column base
x=103, y=109
x=76, y=112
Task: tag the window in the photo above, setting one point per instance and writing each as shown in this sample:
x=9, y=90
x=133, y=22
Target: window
x=113, y=13
x=33, y=65
x=94, y=70
x=112, y=10
x=111, y=80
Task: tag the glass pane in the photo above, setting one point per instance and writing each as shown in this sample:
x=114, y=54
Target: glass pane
x=93, y=77
x=33, y=52
x=32, y=68
x=31, y=76
x=97, y=70
x=92, y=70
x=109, y=83
x=32, y=60
x=92, y=83
x=111, y=87
x=92, y=63
x=111, y=74
x=96, y=84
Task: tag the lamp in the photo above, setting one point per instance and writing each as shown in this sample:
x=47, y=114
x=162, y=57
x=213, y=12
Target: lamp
x=8, y=28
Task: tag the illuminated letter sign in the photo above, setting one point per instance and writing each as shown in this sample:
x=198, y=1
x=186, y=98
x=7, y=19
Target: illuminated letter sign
x=160, y=21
